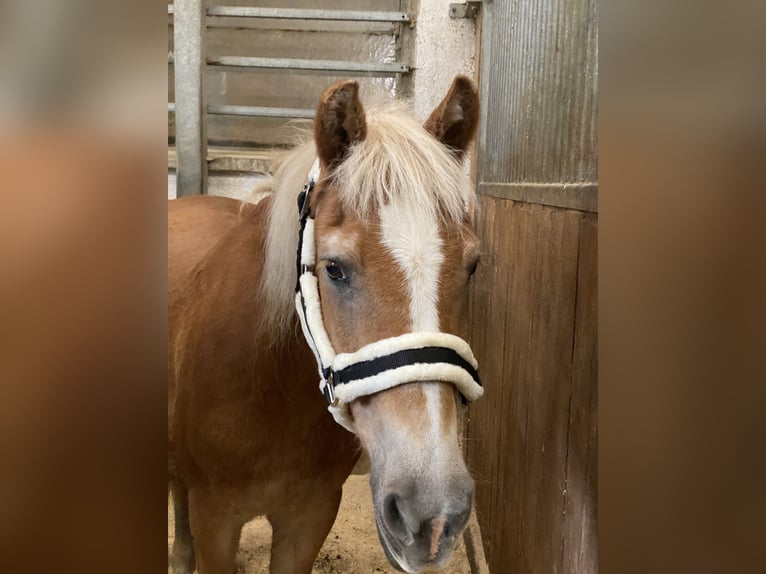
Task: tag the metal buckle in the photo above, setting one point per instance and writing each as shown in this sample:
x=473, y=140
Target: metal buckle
x=330, y=386
x=304, y=207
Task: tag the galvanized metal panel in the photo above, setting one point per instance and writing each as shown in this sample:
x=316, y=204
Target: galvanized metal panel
x=359, y=44
x=385, y=5
x=539, y=70
x=190, y=110
x=345, y=66
x=300, y=64
x=308, y=14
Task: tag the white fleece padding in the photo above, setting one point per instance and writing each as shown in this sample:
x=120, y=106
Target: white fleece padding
x=342, y=416
x=418, y=372
x=406, y=341
x=313, y=319
x=307, y=335
x=308, y=251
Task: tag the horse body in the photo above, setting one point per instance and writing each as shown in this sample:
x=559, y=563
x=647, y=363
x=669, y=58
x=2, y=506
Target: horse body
x=249, y=433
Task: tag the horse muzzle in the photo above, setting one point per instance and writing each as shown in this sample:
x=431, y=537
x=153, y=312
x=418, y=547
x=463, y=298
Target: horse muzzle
x=418, y=527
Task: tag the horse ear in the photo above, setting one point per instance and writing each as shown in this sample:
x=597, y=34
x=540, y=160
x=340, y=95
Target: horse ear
x=454, y=121
x=339, y=122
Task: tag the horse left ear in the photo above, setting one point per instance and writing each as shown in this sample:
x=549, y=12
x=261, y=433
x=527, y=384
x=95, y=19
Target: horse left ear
x=339, y=122
x=454, y=121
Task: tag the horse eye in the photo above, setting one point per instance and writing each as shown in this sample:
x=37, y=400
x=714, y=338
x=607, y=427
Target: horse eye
x=472, y=268
x=334, y=272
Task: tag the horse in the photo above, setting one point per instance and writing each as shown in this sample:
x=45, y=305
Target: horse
x=392, y=211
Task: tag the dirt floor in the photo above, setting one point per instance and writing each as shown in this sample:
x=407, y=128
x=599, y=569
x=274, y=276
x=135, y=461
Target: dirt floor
x=352, y=546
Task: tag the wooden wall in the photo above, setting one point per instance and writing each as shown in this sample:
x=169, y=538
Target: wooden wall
x=531, y=441
x=532, y=438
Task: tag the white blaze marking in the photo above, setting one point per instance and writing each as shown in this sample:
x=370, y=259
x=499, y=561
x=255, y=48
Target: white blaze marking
x=412, y=238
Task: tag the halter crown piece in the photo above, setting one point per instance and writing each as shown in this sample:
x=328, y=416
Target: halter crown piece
x=387, y=363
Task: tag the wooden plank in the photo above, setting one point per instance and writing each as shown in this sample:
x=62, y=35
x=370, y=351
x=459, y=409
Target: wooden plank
x=579, y=551
x=488, y=331
x=580, y=196
x=474, y=547
x=542, y=306
x=523, y=310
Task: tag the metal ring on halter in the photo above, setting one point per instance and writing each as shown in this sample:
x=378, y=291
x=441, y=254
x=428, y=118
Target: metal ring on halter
x=329, y=382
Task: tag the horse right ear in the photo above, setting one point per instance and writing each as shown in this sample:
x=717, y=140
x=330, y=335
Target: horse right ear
x=454, y=121
x=339, y=122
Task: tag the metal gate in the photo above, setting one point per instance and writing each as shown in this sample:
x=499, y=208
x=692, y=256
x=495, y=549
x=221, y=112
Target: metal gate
x=532, y=442
x=239, y=74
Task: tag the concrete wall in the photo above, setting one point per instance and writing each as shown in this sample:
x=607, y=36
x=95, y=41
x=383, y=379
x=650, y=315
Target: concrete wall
x=443, y=47
x=237, y=186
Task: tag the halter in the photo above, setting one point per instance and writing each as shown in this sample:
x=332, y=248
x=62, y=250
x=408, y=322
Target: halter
x=387, y=363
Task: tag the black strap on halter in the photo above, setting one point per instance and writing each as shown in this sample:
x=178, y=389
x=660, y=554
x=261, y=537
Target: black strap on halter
x=303, y=215
x=421, y=356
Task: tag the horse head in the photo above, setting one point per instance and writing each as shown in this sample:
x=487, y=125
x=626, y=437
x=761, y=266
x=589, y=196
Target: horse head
x=395, y=249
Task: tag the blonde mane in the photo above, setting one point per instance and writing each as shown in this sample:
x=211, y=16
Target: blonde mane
x=398, y=162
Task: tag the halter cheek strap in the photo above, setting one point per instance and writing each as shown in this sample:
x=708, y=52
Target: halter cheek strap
x=387, y=363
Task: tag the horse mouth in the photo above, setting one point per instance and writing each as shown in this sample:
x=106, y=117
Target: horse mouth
x=395, y=552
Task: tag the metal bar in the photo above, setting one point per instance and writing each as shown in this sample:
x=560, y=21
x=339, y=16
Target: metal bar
x=301, y=14
x=263, y=112
x=191, y=133
x=254, y=111
x=298, y=64
x=580, y=196
x=317, y=65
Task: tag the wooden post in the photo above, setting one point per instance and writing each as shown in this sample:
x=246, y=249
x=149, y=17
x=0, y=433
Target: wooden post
x=191, y=132
x=474, y=546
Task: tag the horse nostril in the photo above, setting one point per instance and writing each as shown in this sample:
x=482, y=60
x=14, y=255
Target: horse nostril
x=394, y=518
x=459, y=515
x=456, y=522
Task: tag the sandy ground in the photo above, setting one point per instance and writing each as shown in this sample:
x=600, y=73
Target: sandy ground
x=352, y=546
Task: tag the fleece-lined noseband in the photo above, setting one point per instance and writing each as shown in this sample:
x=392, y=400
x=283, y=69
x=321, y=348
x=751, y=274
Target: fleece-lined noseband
x=387, y=363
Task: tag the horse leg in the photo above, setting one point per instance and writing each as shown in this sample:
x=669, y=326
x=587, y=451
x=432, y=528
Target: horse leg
x=298, y=534
x=183, y=547
x=216, y=533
